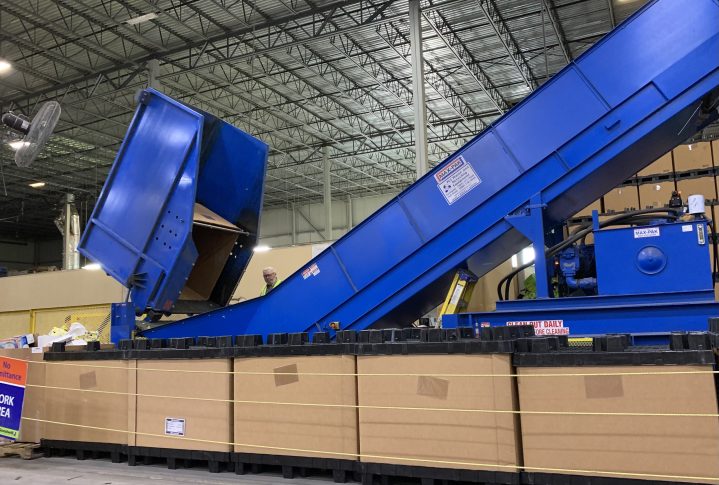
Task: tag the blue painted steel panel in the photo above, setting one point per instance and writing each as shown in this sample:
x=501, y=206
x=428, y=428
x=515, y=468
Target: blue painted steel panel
x=679, y=261
x=580, y=134
x=595, y=315
x=141, y=228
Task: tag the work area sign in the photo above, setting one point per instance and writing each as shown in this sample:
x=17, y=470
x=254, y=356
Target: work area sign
x=13, y=376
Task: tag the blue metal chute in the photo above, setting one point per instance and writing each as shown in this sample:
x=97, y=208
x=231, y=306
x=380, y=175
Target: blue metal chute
x=640, y=91
x=179, y=213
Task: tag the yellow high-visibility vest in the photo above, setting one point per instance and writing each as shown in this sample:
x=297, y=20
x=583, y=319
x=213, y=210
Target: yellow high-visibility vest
x=264, y=288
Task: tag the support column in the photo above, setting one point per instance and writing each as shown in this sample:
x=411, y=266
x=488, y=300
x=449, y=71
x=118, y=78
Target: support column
x=350, y=215
x=294, y=225
x=418, y=98
x=70, y=228
x=327, y=166
x=153, y=74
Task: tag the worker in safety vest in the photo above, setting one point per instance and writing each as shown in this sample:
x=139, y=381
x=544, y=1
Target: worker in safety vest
x=271, y=280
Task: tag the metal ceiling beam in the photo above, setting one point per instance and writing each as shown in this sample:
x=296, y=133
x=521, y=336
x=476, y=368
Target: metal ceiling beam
x=501, y=29
x=184, y=46
x=551, y=10
x=452, y=41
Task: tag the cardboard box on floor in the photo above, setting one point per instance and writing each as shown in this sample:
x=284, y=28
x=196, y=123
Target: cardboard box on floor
x=92, y=394
x=313, y=428
x=437, y=436
x=662, y=445
x=206, y=424
x=34, y=401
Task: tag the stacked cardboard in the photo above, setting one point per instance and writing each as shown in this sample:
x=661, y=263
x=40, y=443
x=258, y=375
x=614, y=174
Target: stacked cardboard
x=439, y=438
x=596, y=445
x=93, y=396
x=187, y=424
x=284, y=429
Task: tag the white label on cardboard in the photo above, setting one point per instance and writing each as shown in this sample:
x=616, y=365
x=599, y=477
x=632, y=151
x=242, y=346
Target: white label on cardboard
x=687, y=228
x=175, y=426
x=36, y=350
x=646, y=232
x=544, y=327
x=312, y=270
x=456, y=179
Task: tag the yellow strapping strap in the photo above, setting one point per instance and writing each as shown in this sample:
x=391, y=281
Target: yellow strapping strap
x=355, y=374
x=398, y=408
x=394, y=458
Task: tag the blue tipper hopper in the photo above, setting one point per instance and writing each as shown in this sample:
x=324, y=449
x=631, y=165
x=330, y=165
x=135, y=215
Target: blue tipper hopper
x=179, y=213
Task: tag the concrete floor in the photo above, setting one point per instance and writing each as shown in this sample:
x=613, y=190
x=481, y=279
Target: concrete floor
x=47, y=471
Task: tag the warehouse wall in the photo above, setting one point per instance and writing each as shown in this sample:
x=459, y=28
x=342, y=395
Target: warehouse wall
x=17, y=255
x=27, y=255
x=276, y=225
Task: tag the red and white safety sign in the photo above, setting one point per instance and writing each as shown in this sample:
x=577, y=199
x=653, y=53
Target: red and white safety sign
x=545, y=327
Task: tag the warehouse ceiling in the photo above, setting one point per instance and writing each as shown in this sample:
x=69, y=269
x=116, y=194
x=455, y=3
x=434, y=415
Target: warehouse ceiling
x=299, y=74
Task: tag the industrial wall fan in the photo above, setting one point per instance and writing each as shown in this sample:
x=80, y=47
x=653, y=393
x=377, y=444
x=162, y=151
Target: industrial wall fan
x=36, y=131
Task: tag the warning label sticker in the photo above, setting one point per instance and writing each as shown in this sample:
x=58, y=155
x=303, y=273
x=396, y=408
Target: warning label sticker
x=456, y=179
x=312, y=270
x=545, y=327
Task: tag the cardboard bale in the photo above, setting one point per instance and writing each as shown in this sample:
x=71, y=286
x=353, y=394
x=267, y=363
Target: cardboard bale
x=702, y=185
x=661, y=166
x=206, y=424
x=621, y=199
x=588, y=445
x=695, y=156
x=34, y=401
x=655, y=194
x=439, y=438
x=300, y=430
x=92, y=394
x=587, y=211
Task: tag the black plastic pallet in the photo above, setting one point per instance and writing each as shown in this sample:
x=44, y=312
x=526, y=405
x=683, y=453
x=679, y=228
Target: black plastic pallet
x=561, y=479
x=384, y=474
x=292, y=466
x=83, y=450
x=215, y=461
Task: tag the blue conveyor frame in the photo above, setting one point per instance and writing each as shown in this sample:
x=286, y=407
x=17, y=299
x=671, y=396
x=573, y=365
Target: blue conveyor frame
x=629, y=99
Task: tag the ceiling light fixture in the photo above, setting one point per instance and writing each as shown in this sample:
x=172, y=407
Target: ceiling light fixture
x=141, y=18
x=16, y=145
x=37, y=185
x=261, y=249
x=5, y=66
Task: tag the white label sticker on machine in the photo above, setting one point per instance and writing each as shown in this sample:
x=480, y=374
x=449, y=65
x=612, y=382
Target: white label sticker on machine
x=687, y=228
x=544, y=327
x=456, y=179
x=646, y=232
x=175, y=426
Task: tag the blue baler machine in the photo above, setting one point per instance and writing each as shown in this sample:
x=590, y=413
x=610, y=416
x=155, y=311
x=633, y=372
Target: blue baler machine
x=646, y=87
